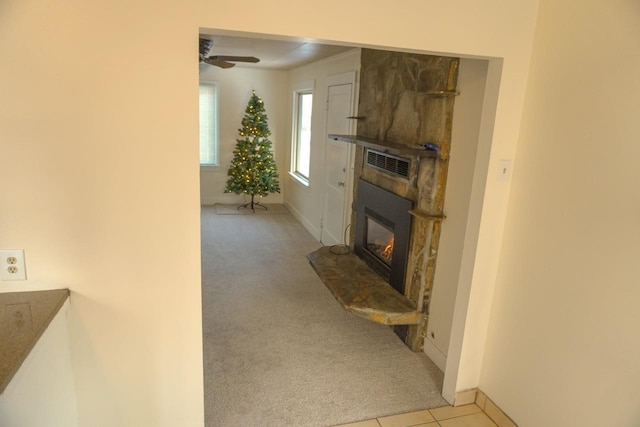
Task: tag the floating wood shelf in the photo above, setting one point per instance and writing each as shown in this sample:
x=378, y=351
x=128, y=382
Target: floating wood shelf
x=384, y=146
x=419, y=213
x=361, y=291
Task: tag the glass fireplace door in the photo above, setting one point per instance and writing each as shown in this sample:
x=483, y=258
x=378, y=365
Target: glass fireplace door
x=379, y=241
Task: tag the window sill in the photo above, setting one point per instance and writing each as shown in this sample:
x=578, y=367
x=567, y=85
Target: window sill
x=302, y=180
x=209, y=168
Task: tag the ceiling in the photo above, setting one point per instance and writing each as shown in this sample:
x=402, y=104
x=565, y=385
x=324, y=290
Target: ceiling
x=273, y=54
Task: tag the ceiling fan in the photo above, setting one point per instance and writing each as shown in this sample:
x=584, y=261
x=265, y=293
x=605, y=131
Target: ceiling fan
x=222, y=61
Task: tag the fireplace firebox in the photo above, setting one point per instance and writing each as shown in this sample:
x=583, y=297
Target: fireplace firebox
x=380, y=240
x=382, y=232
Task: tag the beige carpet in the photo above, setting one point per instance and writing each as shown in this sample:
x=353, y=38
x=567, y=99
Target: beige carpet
x=279, y=350
x=222, y=209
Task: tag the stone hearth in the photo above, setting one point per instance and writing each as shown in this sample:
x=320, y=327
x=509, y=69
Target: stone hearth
x=361, y=291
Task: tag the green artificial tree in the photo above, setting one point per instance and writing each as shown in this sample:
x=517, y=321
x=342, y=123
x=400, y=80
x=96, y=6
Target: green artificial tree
x=253, y=169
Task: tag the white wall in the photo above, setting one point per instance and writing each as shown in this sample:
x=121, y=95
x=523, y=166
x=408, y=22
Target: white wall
x=563, y=345
x=306, y=202
x=466, y=127
x=235, y=86
x=42, y=392
x=99, y=143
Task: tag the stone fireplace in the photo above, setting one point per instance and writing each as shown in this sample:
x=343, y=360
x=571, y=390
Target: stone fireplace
x=404, y=118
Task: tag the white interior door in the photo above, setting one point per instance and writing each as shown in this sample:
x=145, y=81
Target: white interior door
x=338, y=158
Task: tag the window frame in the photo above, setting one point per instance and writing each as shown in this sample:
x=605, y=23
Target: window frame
x=216, y=119
x=305, y=88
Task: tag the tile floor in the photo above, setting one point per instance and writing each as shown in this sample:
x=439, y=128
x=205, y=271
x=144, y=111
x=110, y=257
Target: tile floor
x=459, y=416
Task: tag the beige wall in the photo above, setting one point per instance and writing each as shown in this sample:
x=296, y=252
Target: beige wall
x=472, y=79
x=99, y=129
x=563, y=346
x=234, y=91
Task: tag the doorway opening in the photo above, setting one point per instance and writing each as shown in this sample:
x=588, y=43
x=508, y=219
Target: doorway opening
x=294, y=194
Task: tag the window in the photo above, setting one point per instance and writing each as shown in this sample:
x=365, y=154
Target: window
x=301, y=144
x=208, y=124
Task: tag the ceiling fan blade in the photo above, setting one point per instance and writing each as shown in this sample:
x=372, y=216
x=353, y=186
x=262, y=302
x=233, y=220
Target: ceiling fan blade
x=235, y=58
x=218, y=62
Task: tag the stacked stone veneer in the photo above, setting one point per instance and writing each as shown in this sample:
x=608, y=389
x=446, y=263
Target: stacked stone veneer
x=407, y=99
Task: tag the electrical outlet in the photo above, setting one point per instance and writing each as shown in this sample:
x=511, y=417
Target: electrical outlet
x=12, y=265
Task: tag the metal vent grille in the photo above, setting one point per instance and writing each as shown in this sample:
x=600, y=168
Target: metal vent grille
x=386, y=162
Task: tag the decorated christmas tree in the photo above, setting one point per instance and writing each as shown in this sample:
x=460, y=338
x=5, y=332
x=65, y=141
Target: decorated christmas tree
x=253, y=169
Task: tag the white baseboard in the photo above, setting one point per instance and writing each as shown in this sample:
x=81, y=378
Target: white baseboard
x=435, y=355
x=315, y=231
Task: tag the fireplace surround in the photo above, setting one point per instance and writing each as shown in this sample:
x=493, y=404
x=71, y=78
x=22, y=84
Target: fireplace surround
x=382, y=232
x=405, y=112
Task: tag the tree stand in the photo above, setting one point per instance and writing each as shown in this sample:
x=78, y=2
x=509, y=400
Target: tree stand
x=253, y=205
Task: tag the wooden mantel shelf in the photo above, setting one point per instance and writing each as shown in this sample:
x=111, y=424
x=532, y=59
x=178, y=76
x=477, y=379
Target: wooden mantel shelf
x=384, y=146
x=361, y=291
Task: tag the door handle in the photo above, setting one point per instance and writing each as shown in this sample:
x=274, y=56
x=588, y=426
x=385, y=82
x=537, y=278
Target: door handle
x=340, y=183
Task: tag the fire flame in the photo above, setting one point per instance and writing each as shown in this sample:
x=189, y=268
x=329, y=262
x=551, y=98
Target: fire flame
x=388, y=250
